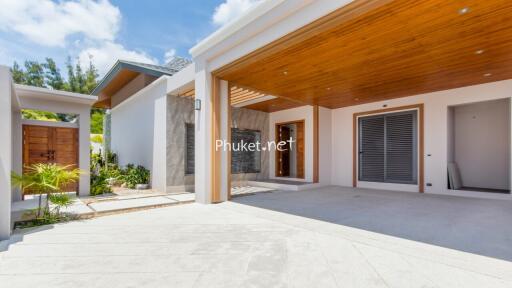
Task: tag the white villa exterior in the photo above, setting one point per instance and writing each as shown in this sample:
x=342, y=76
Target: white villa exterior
x=452, y=88
x=449, y=123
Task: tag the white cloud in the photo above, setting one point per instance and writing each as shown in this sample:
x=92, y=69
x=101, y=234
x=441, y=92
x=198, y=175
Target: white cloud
x=231, y=9
x=50, y=23
x=169, y=55
x=105, y=55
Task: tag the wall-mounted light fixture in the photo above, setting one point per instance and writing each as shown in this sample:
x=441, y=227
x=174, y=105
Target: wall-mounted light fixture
x=197, y=105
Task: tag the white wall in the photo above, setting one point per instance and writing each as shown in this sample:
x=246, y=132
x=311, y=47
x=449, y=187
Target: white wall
x=436, y=130
x=139, y=131
x=5, y=152
x=300, y=113
x=481, y=145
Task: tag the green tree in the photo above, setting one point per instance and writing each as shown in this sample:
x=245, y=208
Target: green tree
x=91, y=77
x=80, y=79
x=53, y=78
x=71, y=84
x=97, y=121
x=18, y=75
x=34, y=74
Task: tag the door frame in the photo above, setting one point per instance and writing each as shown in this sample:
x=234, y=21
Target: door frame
x=421, y=139
x=50, y=125
x=278, y=153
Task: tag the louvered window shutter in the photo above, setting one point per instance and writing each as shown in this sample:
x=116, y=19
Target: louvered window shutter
x=190, y=149
x=387, y=148
x=400, y=148
x=371, y=149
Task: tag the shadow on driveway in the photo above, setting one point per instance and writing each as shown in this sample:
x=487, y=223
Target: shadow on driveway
x=472, y=225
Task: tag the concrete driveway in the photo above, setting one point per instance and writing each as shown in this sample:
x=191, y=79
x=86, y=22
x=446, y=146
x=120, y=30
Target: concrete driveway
x=472, y=225
x=237, y=245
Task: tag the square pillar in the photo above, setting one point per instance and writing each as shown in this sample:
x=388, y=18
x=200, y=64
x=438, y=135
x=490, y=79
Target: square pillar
x=212, y=165
x=84, y=157
x=17, y=153
x=5, y=152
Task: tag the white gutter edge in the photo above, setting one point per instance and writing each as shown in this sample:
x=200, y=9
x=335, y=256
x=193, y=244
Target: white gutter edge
x=234, y=26
x=20, y=88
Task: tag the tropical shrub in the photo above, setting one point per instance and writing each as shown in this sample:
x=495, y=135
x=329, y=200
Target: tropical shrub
x=45, y=179
x=97, y=138
x=132, y=175
x=103, y=168
x=60, y=200
x=99, y=184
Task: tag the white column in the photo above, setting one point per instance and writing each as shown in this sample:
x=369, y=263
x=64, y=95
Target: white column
x=203, y=135
x=212, y=166
x=84, y=131
x=5, y=152
x=159, y=157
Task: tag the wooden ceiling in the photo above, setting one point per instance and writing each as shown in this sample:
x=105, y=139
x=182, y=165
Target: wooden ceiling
x=375, y=50
x=239, y=95
x=119, y=81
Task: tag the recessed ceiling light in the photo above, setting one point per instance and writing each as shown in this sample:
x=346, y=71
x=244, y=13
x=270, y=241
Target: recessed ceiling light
x=356, y=99
x=487, y=74
x=481, y=51
x=285, y=72
x=463, y=11
x=328, y=88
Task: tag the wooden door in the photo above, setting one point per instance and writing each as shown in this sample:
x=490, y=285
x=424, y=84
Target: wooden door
x=284, y=161
x=42, y=144
x=283, y=157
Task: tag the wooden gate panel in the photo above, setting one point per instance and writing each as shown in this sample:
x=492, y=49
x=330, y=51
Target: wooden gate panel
x=42, y=144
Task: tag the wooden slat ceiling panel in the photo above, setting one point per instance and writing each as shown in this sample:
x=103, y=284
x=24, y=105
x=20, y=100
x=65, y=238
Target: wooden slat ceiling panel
x=238, y=94
x=122, y=78
x=395, y=49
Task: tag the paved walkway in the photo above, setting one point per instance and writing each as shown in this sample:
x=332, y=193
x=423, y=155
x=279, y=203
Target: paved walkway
x=86, y=207
x=233, y=245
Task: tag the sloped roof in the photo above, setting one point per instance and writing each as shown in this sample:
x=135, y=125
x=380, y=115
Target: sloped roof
x=175, y=65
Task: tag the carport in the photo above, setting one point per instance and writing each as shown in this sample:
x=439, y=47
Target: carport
x=478, y=226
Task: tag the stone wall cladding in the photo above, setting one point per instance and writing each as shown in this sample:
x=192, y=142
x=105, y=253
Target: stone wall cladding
x=180, y=110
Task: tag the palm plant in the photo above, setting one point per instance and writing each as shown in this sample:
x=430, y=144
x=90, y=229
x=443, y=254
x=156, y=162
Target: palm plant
x=60, y=200
x=45, y=179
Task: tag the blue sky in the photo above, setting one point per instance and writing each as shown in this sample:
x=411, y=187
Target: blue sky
x=104, y=30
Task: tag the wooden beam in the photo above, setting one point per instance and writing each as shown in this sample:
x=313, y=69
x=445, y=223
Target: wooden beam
x=215, y=135
x=229, y=139
x=316, y=143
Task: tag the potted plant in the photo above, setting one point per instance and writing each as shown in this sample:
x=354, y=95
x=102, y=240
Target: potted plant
x=136, y=177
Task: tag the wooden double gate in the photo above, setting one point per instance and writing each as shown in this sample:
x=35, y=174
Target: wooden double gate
x=44, y=144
